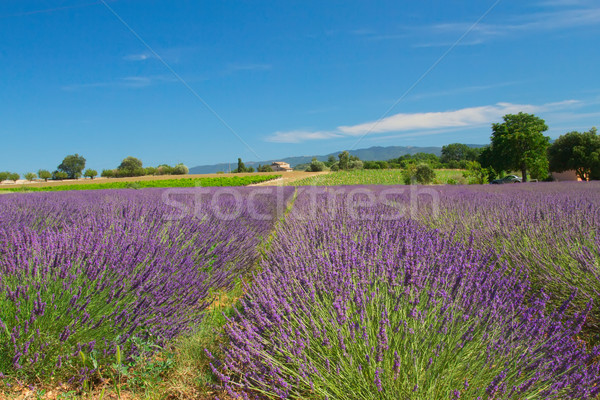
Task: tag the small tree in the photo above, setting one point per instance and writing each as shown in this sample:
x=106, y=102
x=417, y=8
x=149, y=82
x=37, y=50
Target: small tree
x=90, y=173
x=150, y=171
x=30, y=176
x=13, y=176
x=164, y=169
x=130, y=166
x=59, y=175
x=3, y=176
x=107, y=173
x=316, y=165
x=330, y=160
x=344, y=160
x=265, y=168
x=355, y=164
x=577, y=151
x=72, y=165
x=180, y=169
x=476, y=174
x=44, y=174
x=130, y=163
x=458, y=152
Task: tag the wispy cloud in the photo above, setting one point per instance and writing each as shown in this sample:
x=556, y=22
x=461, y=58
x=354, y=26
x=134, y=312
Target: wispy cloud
x=133, y=82
x=53, y=10
x=235, y=67
x=465, y=89
x=558, y=15
x=138, y=57
x=422, y=123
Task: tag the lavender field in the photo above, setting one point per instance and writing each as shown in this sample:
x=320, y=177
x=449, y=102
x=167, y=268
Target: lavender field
x=358, y=292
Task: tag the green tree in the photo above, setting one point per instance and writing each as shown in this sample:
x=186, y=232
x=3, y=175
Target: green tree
x=330, y=160
x=458, y=152
x=13, y=176
x=72, y=165
x=424, y=174
x=476, y=174
x=519, y=144
x=180, y=169
x=577, y=151
x=265, y=168
x=241, y=166
x=59, y=175
x=164, y=169
x=44, y=174
x=130, y=166
x=90, y=173
x=3, y=176
x=355, y=164
x=107, y=173
x=30, y=176
x=344, y=160
x=316, y=165
x=150, y=171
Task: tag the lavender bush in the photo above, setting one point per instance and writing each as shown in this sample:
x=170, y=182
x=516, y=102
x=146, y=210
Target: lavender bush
x=83, y=273
x=385, y=309
x=552, y=230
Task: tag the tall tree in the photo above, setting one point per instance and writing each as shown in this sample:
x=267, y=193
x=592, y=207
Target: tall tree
x=577, y=151
x=344, y=162
x=72, y=165
x=241, y=166
x=519, y=144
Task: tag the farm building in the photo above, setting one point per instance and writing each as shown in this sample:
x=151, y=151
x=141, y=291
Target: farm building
x=565, y=176
x=280, y=166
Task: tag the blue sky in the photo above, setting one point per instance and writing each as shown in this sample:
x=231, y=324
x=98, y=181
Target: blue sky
x=201, y=82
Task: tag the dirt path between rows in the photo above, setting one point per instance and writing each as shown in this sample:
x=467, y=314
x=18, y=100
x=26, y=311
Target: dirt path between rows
x=288, y=178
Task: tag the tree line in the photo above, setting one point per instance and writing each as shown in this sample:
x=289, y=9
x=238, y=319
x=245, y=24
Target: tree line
x=73, y=167
x=516, y=144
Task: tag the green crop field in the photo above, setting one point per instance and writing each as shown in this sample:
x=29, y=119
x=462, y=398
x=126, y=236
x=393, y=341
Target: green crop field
x=372, y=177
x=158, y=183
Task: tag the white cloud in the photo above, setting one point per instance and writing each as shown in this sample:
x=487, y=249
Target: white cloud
x=572, y=15
x=422, y=123
x=298, y=136
x=137, y=57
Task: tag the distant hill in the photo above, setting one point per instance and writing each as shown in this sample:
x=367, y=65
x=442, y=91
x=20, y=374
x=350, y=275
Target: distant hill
x=370, y=154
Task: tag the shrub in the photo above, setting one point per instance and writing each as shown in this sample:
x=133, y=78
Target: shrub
x=150, y=171
x=59, y=175
x=180, y=169
x=164, y=169
x=108, y=173
x=316, y=166
x=265, y=168
x=424, y=174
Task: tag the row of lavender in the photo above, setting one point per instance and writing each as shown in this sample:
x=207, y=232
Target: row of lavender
x=551, y=230
x=465, y=293
x=85, y=273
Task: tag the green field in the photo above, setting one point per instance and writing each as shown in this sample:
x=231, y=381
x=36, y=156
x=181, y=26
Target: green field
x=158, y=183
x=372, y=177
